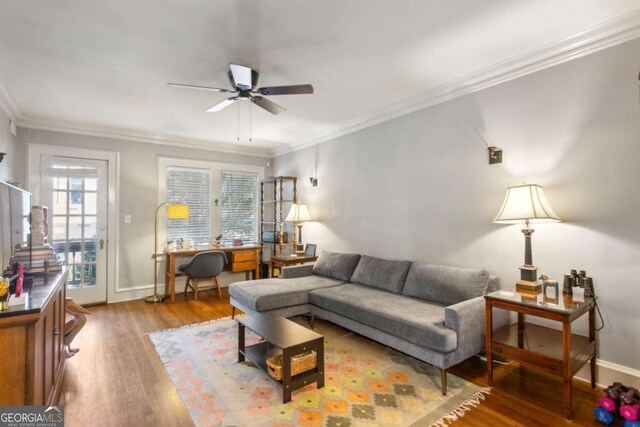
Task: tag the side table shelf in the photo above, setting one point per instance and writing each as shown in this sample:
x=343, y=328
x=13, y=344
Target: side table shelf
x=558, y=352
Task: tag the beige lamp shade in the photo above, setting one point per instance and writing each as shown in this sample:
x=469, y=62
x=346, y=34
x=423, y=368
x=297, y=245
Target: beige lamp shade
x=298, y=213
x=525, y=203
x=178, y=211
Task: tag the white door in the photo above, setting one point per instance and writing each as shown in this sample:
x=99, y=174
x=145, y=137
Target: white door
x=76, y=190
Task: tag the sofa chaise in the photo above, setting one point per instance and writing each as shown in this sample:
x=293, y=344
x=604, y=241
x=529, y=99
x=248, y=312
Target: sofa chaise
x=434, y=313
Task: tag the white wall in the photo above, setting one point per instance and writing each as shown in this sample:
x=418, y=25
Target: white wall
x=138, y=196
x=8, y=145
x=420, y=187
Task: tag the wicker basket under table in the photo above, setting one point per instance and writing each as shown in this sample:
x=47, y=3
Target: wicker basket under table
x=300, y=363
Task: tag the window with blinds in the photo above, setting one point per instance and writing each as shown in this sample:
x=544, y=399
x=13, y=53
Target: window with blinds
x=192, y=187
x=238, y=207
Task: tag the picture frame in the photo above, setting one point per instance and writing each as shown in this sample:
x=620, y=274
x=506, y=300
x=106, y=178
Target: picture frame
x=298, y=248
x=310, y=250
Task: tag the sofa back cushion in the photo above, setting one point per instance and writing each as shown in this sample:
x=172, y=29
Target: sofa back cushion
x=445, y=285
x=335, y=265
x=381, y=273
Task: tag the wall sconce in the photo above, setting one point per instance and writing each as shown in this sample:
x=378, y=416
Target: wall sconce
x=495, y=155
x=313, y=181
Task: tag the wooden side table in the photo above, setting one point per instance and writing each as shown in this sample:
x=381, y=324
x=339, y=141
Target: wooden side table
x=557, y=352
x=284, y=261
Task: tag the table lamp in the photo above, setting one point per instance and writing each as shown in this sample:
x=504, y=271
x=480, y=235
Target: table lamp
x=175, y=211
x=526, y=203
x=299, y=213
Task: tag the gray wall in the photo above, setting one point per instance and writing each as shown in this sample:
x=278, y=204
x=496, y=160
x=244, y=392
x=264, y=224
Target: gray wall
x=420, y=188
x=138, y=192
x=8, y=144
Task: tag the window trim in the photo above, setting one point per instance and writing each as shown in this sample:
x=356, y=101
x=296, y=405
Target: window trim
x=216, y=169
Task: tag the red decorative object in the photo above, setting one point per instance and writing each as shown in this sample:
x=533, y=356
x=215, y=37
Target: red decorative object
x=20, y=279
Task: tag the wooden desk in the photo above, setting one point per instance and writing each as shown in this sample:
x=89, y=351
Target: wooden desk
x=557, y=352
x=283, y=261
x=240, y=258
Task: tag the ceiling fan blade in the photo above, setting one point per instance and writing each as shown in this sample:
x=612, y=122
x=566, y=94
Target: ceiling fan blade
x=241, y=76
x=210, y=89
x=221, y=105
x=270, y=106
x=286, y=90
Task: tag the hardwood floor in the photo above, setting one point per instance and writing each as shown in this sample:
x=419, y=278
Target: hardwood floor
x=117, y=379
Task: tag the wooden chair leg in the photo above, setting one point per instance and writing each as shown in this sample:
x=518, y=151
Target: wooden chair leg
x=443, y=381
x=186, y=285
x=195, y=290
x=218, y=286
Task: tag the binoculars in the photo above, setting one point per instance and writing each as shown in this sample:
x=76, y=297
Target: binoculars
x=580, y=280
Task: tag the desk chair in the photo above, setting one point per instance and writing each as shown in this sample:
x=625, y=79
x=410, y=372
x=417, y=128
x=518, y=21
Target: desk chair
x=205, y=265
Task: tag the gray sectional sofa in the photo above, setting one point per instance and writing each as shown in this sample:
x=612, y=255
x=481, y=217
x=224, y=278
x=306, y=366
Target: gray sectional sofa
x=433, y=313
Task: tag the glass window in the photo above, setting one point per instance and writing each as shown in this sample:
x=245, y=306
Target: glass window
x=238, y=206
x=190, y=186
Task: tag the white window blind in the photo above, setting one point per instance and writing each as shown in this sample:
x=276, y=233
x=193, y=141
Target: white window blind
x=192, y=187
x=238, y=207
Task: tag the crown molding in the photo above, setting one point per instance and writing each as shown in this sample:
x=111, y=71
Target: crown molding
x=608, y=34
x=8, y=103
x=128, y=135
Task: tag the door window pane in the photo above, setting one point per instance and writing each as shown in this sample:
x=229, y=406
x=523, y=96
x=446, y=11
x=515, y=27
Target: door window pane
x=89, y=275
x=59, y=202
x=75, y=202
x=59, y=228
x=90, y=203
x=90, y=229
x=75, y=183
x=59, y=183
x=91, y=184
x=75, y=227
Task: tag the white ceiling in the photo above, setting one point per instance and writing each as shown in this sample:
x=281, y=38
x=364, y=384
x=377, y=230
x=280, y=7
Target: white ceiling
x=104, y=65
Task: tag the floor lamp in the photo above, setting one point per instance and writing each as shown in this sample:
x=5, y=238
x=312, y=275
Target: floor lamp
x=174, y=211
x=527, y=204
x=298, y=214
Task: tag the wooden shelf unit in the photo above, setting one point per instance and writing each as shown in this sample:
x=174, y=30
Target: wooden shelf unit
x=277, y=195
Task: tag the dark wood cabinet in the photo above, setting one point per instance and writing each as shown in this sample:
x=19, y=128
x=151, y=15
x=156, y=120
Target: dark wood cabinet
x=32, y=347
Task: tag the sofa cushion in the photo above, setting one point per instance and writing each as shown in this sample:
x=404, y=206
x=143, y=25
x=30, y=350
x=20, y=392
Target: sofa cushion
x=444, y=284
x=338, y=266
x=414, y=320
x=381, y=273
x=271, y=294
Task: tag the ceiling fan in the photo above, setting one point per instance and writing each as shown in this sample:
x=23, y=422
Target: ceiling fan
x=244, y=80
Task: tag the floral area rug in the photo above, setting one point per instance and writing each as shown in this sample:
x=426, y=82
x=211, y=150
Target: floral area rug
x=366, y=384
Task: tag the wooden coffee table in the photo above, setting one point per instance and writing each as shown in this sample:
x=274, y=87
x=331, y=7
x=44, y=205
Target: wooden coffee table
x=282, y=336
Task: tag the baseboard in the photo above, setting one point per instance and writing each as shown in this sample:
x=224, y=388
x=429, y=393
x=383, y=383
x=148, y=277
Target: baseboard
x=607, y=373
x=139, y=292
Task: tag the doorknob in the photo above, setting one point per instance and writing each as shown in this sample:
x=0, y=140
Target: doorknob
x=101, y=243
